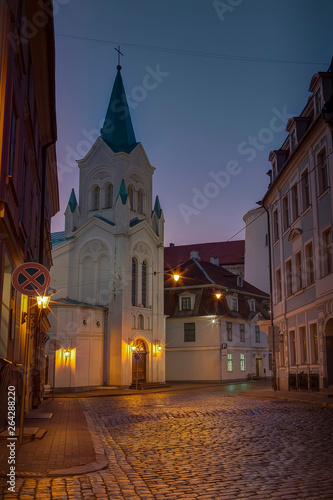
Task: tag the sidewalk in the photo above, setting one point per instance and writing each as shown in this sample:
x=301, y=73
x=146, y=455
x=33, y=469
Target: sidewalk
x=71, y=446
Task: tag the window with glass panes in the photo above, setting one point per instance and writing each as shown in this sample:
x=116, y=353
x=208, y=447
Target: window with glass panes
x=257, y=330
x=229, y=331
x=189, y=332
x=230, y=362
x=186, y=303
x=242, y=332
x=243, y=362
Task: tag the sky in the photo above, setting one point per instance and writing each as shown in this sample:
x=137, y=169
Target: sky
x=210, y=85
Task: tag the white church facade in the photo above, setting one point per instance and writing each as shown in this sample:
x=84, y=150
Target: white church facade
x=108, y=323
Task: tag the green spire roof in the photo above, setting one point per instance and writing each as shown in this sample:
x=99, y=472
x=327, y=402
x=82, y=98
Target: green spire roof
x=123, y=192
x=157, y=208
x=117, y=130
x=72, y=201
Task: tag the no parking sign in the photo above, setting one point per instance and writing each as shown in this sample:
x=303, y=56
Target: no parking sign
x=31, y=279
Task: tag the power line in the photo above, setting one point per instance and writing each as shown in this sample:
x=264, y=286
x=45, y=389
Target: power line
x=195, y=53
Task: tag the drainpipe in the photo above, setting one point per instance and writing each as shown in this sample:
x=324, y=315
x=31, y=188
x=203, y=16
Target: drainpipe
x=261, y=203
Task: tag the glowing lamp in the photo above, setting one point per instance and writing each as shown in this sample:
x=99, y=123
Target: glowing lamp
x=43, y=301
x=218, y=295
x=176, y=277
x=159, y=348
x=67, y=354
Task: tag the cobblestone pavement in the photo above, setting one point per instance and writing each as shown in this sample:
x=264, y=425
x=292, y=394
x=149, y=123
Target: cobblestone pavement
x=200, y=445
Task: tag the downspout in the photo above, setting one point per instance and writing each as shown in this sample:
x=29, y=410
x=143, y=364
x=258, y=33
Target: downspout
x=42, y=200
x=261, y=203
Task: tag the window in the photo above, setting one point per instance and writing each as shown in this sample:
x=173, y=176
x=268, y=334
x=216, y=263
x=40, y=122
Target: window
x=314, y=343
x=229, y=331
x=144, y=284
x=322, y=171
x=134, y=281
x=234, y=304
x=327, y=251
x=141, y=202
x=292, y=347
x=141, y=324
x=292, y=141
x=294, y=201
x=285, y=210
x=186, y=303
x=275, y=226
x=243, y=362
x=298, y=266
x=189, y=332
x=230, y=362
x=257, y=330
x=302, y=337
x=289, y=279
x=239, y=281
x=278, y=286
x=281, y=349
x=305, y=190
x=242, y=332
x=109, y=195
x=131, y=196
x=317, y=102
x=95, y=198
x=309, y=264
x=252, y=304
x=12, y=142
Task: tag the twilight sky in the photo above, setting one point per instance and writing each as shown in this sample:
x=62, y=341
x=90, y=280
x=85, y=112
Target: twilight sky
x=210, y=84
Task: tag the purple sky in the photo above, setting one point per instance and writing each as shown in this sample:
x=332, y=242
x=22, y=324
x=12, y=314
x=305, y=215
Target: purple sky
x=225, y=81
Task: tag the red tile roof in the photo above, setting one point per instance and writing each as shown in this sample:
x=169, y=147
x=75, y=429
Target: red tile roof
x=228, y=252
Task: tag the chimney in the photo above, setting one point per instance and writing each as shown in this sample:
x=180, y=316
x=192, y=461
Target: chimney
x=171, y=244
x=215, y=261
x=194, y=254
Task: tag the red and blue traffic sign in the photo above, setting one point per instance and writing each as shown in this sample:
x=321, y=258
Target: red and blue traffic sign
x=31, y=279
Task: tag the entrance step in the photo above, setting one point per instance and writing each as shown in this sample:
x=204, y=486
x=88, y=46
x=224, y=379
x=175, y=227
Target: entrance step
x=148, y=385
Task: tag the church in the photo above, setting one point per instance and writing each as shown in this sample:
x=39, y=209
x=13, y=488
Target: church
x=108, y=325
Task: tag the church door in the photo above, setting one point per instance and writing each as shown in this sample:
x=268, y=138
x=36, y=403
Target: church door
x=139, y=361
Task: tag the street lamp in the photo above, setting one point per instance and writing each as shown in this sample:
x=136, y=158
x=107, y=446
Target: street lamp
x=43, y=301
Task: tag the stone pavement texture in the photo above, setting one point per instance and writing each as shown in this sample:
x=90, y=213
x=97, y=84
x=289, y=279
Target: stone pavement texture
x=196, y=442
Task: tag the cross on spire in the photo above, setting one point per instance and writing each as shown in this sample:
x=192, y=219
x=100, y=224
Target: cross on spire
x=119, y=54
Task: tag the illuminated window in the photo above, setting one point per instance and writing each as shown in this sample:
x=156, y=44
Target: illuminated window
x=230, y=362
x=242, y=362
x=189, y=332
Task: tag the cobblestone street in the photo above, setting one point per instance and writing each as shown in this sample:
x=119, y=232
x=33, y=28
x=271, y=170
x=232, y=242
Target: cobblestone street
x=201, y=444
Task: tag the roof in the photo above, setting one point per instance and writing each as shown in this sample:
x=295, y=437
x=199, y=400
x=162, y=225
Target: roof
x=123, y=192
x=104, y=219
x=157, y=208
x=228, y=252
x=204, y=279
x=72, y=202
x=195, y=273
x=117, y=130
x=58, y=238
x=135, y=221
x=72, y=302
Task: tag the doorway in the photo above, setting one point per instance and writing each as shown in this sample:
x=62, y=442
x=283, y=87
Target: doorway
x=259, y=366
x=139, y=361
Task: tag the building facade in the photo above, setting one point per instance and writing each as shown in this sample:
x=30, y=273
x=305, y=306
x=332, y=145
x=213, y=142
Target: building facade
x=28, y=187
x=108, y=326
x=299, y=203
x=211, y=327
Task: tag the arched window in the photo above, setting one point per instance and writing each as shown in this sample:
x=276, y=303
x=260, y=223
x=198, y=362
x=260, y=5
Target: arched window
x=144, y=284
x=108, y=195
x=141, y=208
x=95, y=198
x=131, y=196
x=134, y=281
x=140, y=322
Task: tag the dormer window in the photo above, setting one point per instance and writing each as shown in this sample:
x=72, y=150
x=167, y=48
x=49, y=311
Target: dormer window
x=318, y=103
x=234, y=304
x=186, y=301
x=252, y=305
x=239, y=281
x=292, y=141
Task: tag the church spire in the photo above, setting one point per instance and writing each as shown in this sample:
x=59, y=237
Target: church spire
x=117, y=130
x=72, y=202
x=157, y=207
